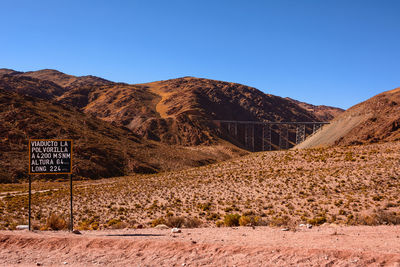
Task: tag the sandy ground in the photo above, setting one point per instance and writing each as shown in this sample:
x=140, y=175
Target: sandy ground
x=242, y=246
x=332, y=132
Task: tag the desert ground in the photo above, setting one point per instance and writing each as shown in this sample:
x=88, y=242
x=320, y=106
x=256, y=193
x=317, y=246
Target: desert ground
x=328, y=245
x=249, y=211
x=355, y=185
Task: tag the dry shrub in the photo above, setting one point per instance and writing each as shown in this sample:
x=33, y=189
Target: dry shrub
x=94, y=225
x=317, y=220
x=56, y=222
x=231, y=220
x=385, y=217
x=175, y=221
x=119, y=225
x=282, y=221
x=158, y=221
x=83, y=225
x=88, y=225
x=244, y=221
x=379, y=218
x=251, y=221
x=219, y=223
x=192, y=222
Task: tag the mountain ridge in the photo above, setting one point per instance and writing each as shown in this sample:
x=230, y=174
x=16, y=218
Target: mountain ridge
x=176, y=111
x=376, y=119
x=101, y=149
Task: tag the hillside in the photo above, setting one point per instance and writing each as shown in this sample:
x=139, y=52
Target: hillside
x=322, y=112
x=177, y=111
x=374, y=120
x=30, y=86
x=101, y=149
x=59, y=78
x=357, y=185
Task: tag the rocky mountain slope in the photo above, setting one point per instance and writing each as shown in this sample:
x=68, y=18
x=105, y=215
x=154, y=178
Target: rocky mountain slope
x=101, y=149
x=374, y=120
x=322, y=112
x=177, y=111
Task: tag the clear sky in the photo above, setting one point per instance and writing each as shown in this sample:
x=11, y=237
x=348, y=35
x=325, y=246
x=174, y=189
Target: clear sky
x=329, y=52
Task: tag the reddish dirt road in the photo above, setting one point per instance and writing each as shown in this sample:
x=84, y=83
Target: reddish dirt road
x=243, y=246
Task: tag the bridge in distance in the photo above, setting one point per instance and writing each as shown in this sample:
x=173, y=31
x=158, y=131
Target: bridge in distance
x=267, y=136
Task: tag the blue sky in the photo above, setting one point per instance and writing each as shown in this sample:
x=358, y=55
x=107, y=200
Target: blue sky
x=328, y=52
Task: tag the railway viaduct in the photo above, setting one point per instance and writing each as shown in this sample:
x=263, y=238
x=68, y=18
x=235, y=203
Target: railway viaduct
x=267, y=136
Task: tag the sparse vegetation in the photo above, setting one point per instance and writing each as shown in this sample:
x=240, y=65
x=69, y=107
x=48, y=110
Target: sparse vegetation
x=56, y=222
x=231, y=220
x=257, y=188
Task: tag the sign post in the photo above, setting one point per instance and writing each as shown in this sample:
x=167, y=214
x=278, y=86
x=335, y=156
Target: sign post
x=30, y=197
x=71, y=224
x=50, y=156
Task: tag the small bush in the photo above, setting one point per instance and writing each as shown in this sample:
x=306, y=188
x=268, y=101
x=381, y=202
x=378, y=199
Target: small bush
x=83, y=225
x=377, y=198
x=113, y=221
x=213, y=217
x=175, y=221
x=385, y=217
x=119, y=225
x=94, y=225
x=282, y=221
x=317, y=220
x=244, y=221
x=205, y=206
x=158, y=221
x=379, y=218
x=192, y=222
x=56, y=222
x=219, y=223
x=231, y=220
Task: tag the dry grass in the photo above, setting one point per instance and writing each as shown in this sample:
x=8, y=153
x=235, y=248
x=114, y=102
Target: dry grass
x=342, y=185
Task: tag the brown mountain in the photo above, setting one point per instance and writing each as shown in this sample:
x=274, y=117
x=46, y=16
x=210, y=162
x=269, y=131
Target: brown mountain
x=322, y=112
x=101, y=149
x=30, y=86
x=177, y=111
x=374, y=120
x=59, y=78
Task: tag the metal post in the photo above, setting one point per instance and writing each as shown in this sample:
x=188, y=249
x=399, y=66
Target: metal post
x=30, y=201
x=263, y=139
x=71, y=227
x=236, y=129
x=266, y=137
x=283, y=137
x=269, y=137
x=300, y=133
x=316, y=128
x=245, y=136
x=252, y=141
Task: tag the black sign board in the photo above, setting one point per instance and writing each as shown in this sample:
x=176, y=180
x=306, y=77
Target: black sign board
x=50, y=156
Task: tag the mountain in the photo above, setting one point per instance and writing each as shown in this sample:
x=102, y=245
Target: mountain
x=30, y=86
x=58, y=77
x=101, y=149
x=374, y=120
x=322, y=112
x=177, y=111
x=180, y=111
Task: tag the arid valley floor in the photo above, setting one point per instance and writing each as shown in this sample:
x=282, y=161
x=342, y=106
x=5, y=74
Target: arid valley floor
x=239, y=246
x=347, y=193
